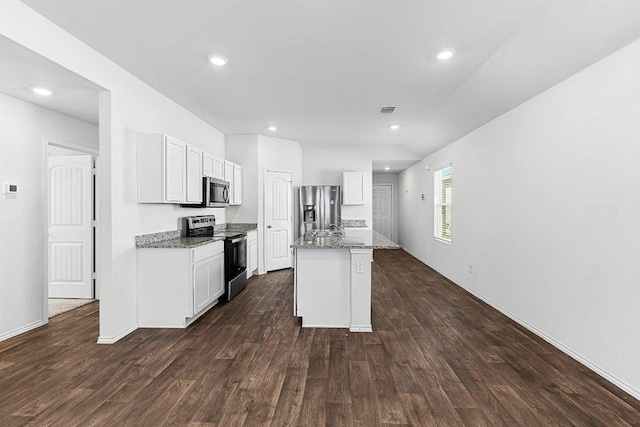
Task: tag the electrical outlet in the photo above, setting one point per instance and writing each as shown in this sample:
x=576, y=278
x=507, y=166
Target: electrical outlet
x=359, y=267
x=470, y=268
x=159, y=225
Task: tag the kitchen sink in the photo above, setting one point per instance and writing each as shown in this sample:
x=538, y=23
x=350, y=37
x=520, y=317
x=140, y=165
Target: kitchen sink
x=325, y=233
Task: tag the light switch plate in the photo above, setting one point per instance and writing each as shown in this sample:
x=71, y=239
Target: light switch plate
x=9, y=188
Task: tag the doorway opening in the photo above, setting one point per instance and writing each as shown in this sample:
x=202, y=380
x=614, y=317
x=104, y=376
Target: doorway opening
x=383, y=209
x=71, y=220
x=278, y=219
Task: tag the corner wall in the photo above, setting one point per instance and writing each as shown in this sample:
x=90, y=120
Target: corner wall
x=22, y=217
x=390, y=178
x=256, y=154
x=546, y=208
x=128, y=106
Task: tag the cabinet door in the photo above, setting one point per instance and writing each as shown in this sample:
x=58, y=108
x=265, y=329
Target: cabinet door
x=353, y=188
x=228, y=176
x=175, y=170
x=207, y=164
x=194, y=175
x=252, y=263
x=212, y=166
x=218, y=168
x=202, y=292
x=216, y=272
x=208, y=281
x=237, y=184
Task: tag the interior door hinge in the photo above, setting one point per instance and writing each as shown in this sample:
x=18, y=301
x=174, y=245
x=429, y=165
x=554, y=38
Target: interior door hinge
x=94, y=171
x=94, y=223
x=94, y=275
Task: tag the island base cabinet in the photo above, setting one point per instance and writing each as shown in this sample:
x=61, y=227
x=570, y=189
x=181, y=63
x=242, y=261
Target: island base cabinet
x=333, y=288
x=177, y=286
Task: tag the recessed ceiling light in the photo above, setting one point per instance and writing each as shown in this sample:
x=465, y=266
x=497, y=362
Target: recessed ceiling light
x=218, y=60
x=387, y=168
x=394, y=127
x=273, y=128
x=444, y=54
x=42, y=91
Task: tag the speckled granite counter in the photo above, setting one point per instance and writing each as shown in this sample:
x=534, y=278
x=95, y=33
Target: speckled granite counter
x=172, y=239
x=243, y=227
x=353, y=223
x=366, y=239
x=180, y=242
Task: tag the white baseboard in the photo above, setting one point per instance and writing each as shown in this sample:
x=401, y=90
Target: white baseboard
x=21, y=330
x=360, y=328
x=557, y=344
x=113, y=339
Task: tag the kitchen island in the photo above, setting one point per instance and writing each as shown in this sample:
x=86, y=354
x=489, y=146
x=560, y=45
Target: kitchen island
x=332, y=279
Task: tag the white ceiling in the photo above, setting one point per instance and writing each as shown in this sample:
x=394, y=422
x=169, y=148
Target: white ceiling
x=23, y=69
x=319, y=70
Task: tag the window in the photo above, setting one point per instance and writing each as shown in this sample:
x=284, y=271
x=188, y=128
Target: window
x=442, y=204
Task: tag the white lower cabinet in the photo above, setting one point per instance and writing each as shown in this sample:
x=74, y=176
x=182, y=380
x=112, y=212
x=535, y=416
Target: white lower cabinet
x=208, y=281
x=178, y=285
x=252, y=252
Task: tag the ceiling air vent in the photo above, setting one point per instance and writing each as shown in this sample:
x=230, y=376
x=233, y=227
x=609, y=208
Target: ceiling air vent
x=387, y=110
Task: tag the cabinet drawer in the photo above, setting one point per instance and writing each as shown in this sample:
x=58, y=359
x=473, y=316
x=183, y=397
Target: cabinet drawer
x=252, y=235
x=207, y=251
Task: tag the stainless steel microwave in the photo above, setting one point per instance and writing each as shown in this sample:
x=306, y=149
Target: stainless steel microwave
x=215, y=194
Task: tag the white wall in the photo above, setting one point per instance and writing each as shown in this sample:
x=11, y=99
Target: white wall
x=546, y=207
x=130, y=106
x=22, y=217
x=256, y=154
x=324, y=166
x=390, y=178
x=243, y=150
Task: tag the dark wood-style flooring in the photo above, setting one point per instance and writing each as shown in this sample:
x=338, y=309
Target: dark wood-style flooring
x=438, y=357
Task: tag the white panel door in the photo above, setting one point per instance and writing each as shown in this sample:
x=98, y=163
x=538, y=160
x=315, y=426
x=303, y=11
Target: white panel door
x=382, y=210
x=278, y=217
x=70, y=214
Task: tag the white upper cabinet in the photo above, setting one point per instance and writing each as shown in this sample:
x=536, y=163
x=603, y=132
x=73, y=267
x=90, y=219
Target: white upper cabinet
x=233, y=174
x=194, y=175
x=353, y=188
x=174, y=170
x=169, y=170
x=212, y=166
x=237, y=185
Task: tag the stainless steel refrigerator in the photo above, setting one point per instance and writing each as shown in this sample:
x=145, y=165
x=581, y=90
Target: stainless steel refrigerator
x=319, y=208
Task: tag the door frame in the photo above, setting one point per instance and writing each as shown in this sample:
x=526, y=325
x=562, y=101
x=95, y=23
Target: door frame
x=393, y=194
x=261, y=225
x=48, y=141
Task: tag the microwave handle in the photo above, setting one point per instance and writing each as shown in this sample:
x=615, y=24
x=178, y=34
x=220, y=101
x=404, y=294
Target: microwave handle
x=225, y=194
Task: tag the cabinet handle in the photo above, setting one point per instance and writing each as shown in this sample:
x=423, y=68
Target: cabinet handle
x=268, y=226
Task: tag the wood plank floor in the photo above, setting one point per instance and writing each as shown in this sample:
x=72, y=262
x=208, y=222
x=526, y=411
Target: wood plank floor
x=438, y=357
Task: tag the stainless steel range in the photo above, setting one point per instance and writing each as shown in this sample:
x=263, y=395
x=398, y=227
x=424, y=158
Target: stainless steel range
x=235, y=252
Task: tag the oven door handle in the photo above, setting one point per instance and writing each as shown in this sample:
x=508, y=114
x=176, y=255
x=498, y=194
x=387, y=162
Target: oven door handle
x=239, y=239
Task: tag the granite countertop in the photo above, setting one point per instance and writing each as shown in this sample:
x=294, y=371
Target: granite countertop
x=353, y=223
x=172, y=239
x=243, y=227
x=366, y=239
x=180, y=242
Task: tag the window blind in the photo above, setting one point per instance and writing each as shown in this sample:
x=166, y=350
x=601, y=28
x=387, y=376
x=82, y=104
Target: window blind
x=442, y=192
